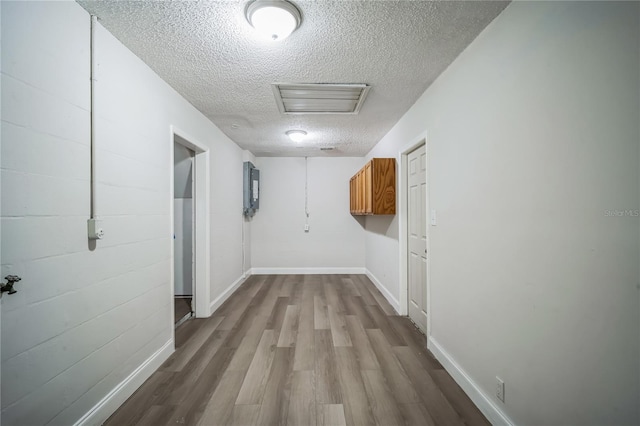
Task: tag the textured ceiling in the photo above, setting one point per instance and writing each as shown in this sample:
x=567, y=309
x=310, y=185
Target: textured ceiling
x=208, y=52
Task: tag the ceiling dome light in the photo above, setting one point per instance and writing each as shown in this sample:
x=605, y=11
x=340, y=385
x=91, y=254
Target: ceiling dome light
x=273, y=19
x=296, y=135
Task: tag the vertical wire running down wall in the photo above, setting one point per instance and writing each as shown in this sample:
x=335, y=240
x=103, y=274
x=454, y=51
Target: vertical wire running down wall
x=306, y=193
x=92, y=115
x=243, y=243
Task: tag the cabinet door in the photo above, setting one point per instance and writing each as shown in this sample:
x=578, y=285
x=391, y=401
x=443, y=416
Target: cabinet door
x=351, y=195
x=368, y=188
x=360, y=192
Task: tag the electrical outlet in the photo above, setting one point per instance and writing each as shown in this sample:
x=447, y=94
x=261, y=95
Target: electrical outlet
x=306, y=228
x=499, y=388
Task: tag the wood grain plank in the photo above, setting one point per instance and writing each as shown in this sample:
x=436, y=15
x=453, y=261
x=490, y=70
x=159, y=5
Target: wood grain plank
x=382, y=301
x=331, y=415
x=190, y=348
x=270, y=297
x=355, y=306
x=367, y=297
x=243, y=415
x=135, y=407
x=361, y=344
x=186, y=331
x=338, y=326
x=234, y=313
x=350, y=289
x=156, y=415
x=274, y=322
x=275, y=403
x=255, y=380
x=416, y=415
x=302, y=405
x=437, y=405
x=320, y=313
x=195, y=398
x=416, y=341
x=383, y=405
x=382, y=321
x=356, y=404
x=470, y=414
x=331, y=292
x=327, y=382
x=239, y=329
x=219, y=408
x=195, y=368
x=289, y=330
x=304, y=358
x=246, y=350
x=398, y=380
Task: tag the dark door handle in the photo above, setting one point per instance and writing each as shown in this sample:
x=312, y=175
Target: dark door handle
x=8, y=287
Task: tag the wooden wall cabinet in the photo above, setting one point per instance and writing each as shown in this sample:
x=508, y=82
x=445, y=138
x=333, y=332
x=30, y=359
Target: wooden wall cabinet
x=373, y=189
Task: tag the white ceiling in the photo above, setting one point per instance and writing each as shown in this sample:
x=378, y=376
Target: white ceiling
x=209, y=53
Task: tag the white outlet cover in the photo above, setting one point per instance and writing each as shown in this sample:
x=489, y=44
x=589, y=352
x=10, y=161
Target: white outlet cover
x=500, y=388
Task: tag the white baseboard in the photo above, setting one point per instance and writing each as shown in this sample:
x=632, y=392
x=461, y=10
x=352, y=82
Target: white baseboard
x=114, y=399
x=479, y=398
x=395, y=304
x=228, y=292
x=306, y=271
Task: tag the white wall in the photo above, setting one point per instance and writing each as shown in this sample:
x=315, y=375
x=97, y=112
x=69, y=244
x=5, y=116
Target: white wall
x=532, y=137
x=83, y=320
x=335, y=240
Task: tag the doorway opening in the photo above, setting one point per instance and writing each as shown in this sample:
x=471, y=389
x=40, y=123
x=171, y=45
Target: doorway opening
x=183, y=221
x=189, y=198
x=414, y=234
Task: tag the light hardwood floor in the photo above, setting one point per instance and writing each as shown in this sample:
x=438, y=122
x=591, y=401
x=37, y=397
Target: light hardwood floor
x=300, y=350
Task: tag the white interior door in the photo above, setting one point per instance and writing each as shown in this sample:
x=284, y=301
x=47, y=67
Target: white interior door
x=417, y=236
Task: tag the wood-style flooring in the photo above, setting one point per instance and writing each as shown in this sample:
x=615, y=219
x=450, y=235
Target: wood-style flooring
x=300, y=350
x=181, y=308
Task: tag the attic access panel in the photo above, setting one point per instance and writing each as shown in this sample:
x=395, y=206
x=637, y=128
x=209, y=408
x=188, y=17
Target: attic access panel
x=319, y=98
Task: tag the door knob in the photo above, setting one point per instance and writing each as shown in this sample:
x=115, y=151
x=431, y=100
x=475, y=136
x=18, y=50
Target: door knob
x=8, y=287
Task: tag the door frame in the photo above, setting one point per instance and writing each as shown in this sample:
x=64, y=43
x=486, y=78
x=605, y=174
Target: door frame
x=201, y=221
x=403, y=222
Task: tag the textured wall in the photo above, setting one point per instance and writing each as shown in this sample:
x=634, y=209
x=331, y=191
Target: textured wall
x=533, y=138
x=83, y=319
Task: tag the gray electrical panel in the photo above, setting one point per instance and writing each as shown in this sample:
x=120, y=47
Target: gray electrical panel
x=251, y=189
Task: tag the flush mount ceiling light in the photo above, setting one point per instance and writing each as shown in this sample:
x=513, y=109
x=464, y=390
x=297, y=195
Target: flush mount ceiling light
x=273, y=19
x=296, y=135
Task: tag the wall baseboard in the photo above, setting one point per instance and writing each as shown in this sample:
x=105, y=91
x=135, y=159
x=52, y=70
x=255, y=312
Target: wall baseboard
x=306, y=271
x=114, y=399
x=479, y=398
x=395, y=304
x=228, y=292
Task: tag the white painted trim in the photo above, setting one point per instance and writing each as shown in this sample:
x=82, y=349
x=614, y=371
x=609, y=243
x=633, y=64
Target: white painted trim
x=118, y=395
x=213, y=306
x=306, y=271
x=202, y=234
x=387, y=295
x=484, y=403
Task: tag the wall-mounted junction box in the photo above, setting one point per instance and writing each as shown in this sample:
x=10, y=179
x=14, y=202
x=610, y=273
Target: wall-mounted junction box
x=251, y=189
x=95, y=229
